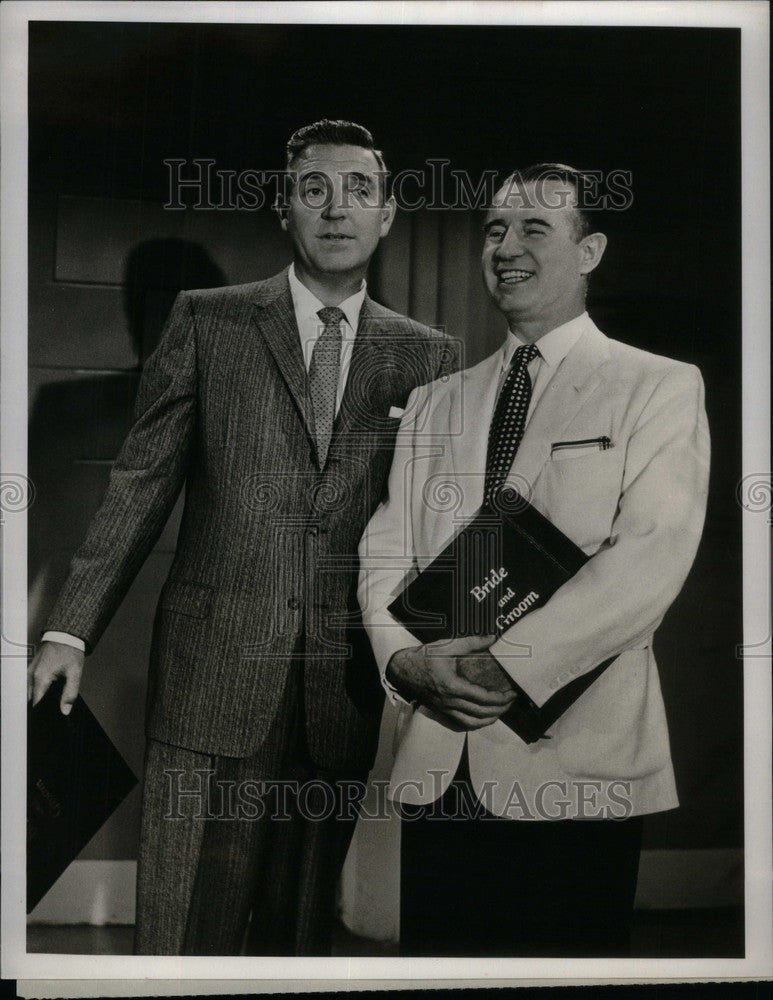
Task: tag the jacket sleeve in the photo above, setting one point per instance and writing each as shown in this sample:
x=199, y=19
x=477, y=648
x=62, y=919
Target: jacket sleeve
x=145, y=481
x=619, y=597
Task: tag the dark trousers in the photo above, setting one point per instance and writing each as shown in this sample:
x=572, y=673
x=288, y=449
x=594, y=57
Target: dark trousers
x=229, y=864
x=479, y=885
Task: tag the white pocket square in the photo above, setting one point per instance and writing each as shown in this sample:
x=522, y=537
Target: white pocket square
x=395, y=411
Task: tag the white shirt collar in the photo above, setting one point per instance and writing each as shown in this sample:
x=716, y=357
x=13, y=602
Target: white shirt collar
x=307, y=305
x=553, y=346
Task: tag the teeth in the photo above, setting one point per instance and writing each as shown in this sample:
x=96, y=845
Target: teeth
x=514, y=276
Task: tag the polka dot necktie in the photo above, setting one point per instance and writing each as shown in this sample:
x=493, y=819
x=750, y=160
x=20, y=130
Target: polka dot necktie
x=509, y=420
x=323, y=377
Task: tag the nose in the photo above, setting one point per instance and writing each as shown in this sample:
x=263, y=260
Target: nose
x=333, y=209
x=335, y=204
x=511, y=245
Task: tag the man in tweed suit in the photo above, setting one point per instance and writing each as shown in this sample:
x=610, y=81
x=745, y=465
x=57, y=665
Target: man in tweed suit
x=274, y=403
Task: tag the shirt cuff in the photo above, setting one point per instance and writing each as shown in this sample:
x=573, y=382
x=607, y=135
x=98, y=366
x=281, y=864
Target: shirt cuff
x=396, y=696
x=66, y=640
x=387, y=639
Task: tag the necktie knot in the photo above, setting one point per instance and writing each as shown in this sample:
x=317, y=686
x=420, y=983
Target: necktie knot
x=523, y=355
x=331, y=315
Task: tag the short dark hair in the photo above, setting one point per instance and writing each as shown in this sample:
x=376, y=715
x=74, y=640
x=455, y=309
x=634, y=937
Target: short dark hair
x=332, y=132
x=566, y=175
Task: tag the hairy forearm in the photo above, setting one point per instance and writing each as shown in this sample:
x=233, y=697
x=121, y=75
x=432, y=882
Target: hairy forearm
x=400, y=670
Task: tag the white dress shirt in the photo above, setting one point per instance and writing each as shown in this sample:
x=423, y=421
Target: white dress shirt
x=306, y=306
x=310, y=326
x=553, y=347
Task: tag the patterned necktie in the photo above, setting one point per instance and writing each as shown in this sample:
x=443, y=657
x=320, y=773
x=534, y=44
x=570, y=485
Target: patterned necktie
x=323, y=378
x=509, y=420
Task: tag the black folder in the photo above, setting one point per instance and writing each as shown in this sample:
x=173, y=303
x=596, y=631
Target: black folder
x=76, y=778
x=506, y=562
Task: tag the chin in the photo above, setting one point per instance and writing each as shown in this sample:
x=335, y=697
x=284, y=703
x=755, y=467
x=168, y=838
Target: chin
x=514, y=299
x=338, y=266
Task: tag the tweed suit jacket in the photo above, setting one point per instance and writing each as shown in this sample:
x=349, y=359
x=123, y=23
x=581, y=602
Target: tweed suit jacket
x=267, y=549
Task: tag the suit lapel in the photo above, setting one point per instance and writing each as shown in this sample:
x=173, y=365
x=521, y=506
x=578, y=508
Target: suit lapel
x=363, y=392
x=275, y=318
x=576, y=378
x=472, y=405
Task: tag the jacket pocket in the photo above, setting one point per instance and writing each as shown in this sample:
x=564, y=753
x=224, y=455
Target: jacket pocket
x=184, y=598
x=617, y=729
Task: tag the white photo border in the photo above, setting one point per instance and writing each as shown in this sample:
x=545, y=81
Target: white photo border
x=304, y=973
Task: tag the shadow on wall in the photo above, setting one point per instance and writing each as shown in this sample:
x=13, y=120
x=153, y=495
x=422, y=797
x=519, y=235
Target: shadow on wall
x=79, y=420
x=156, y=270
x=80, y=415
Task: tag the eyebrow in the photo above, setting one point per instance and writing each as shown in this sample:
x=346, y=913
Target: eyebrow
x=368, y=178
x=313, y=175
x=316, y=174
x=525, y=222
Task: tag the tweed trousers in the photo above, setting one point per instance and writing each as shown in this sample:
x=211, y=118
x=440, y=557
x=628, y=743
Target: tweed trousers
x=243, y=855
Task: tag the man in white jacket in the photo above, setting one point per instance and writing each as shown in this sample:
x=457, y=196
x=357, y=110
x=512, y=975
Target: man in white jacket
x=537, y=851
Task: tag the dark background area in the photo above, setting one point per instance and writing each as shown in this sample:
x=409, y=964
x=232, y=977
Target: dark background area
x=110, y=102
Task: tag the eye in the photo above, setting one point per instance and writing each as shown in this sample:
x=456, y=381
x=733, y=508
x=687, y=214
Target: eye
x=533, y=232
x=495, y=234
x=314, y=192
x=362, y=192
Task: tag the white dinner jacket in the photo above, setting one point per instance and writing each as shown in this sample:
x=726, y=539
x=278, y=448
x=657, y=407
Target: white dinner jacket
x=637, y=508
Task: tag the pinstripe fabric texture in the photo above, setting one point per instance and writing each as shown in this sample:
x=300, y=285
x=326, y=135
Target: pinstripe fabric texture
x=206, y=861
x=267, y=546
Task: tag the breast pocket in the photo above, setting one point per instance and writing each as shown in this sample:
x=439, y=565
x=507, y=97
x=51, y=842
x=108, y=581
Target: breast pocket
x=581, y=494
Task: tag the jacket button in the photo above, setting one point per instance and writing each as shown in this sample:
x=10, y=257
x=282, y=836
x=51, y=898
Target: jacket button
x=293, y=603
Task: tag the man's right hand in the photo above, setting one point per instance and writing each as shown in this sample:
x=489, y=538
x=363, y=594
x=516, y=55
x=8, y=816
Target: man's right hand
x=52, y=660
x=430, y=675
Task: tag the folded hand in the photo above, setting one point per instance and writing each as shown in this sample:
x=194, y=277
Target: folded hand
x=482, y=669
x=437, y=676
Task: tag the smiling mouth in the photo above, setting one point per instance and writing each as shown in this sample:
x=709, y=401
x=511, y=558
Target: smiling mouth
x=514, y=277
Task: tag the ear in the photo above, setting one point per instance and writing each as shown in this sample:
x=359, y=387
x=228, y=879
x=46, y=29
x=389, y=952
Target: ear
x=388, y=211
x=283, y=211
x=592, y=249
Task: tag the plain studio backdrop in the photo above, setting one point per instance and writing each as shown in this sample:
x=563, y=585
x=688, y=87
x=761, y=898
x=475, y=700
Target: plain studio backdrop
x=109, y=103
